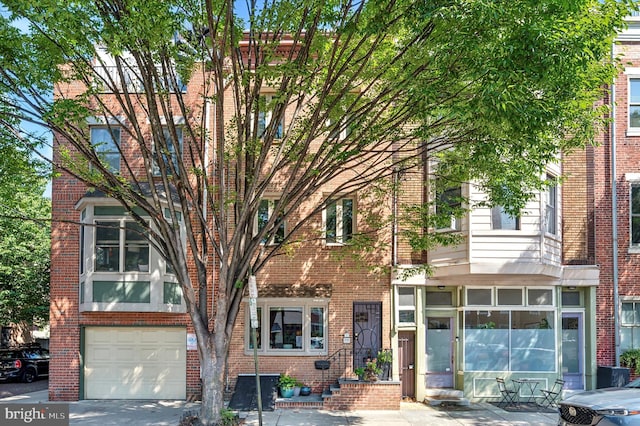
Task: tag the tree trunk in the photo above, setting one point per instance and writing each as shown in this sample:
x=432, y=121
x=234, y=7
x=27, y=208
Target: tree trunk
x=213, y=373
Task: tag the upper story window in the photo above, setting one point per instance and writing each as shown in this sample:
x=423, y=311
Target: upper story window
x=339, y=129
x=121, y=247
x=266, y=115
x=500, y=219
x=265, y=212
x=106, y=140
x=551, y=206
x=172, y=154
x=338, y=219
x=634, y=104
x=634, y=212
x=448, y=205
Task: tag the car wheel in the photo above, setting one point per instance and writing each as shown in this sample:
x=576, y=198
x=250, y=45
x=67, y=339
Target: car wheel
x=29, y=375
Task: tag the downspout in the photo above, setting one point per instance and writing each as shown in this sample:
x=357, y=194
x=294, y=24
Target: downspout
x=614, y=222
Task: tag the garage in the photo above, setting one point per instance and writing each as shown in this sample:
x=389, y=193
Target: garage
x=135, y=363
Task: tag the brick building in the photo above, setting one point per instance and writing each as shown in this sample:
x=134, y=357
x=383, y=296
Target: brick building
x=595, y=175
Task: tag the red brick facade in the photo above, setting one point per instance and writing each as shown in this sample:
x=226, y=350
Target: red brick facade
x=588, y=209
x=313, y=264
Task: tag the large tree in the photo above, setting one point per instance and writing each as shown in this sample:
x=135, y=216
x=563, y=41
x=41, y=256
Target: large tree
x=494, y=89
x=24, y=231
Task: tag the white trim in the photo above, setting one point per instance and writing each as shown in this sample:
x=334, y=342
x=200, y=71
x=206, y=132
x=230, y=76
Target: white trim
x=265, y=333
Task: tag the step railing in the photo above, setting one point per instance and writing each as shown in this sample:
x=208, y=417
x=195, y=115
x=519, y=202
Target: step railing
x=335, y=366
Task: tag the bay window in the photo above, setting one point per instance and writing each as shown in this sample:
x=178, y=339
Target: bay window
x=119, y=269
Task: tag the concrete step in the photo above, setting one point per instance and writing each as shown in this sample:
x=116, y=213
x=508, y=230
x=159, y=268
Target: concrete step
x=436, y=397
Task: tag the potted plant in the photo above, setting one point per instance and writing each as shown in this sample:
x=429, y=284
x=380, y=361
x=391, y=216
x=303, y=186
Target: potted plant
x=297, y=388
x=370, y=371
x=384, y=362
x=286, y=384
x=360, y=372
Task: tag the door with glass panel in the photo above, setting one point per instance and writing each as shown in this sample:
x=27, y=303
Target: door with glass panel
x=572, y=350
x=439, y=352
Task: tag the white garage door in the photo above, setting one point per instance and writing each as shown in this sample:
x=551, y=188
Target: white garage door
x=135, y=363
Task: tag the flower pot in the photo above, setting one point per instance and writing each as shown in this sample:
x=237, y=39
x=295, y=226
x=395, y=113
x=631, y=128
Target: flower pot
x=296, y=391
x=305, y=391
x=286, y=392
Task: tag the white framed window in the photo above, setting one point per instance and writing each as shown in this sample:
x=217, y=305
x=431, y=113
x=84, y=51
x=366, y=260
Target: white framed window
x=265, y=116
x=634, y=104
x=106, y=141
x=634, y=215
x=406, y=306
x=630, y=325
x=500, y=219
x=448, y=205
x=121, y=246
x=172, y=155
x=266, y=210
x=551, y=206
x=338, y=218
x=287, y=327
x=339, y=130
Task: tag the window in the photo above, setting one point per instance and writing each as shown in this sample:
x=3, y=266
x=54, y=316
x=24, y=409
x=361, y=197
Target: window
x=634, y=103
x=510, y=296
x=509, y=340
x=479, y=296
x=265, y=116
x=340, y=130
x=265, y=211
x=339, y=221
x=502, y=220
x=173, y=153
x=299, y=327
x=630, y=325
x=122, y=272
x=406, y=305
x=106, y=140
x=111, y=241
x=635, y=215
x=448, y=208
x=551, y=206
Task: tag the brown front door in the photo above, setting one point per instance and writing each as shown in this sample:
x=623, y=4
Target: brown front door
x=407, y=354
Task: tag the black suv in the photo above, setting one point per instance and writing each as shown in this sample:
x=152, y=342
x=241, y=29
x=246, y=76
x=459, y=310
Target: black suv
x=25, y=363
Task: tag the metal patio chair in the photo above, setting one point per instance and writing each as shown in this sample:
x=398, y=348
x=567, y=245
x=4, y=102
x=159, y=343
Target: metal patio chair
x=550, y=396
x=509, y=396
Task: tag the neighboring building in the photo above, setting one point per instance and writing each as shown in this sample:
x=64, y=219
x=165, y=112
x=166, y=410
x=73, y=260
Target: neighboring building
x=605, y=229
x=500, y=304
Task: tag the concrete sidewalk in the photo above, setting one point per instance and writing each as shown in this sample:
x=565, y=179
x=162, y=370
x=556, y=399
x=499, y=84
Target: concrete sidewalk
x=169, y=413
